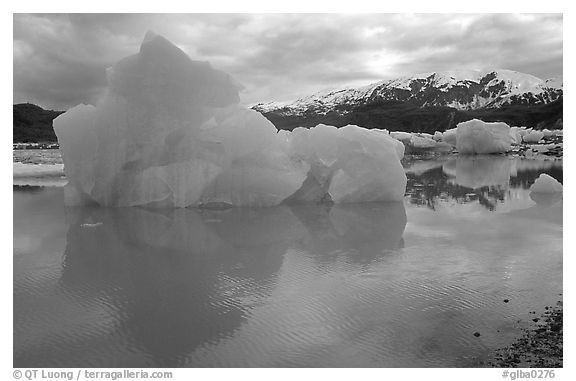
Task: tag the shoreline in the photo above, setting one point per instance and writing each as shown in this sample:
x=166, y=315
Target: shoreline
x=540, y=346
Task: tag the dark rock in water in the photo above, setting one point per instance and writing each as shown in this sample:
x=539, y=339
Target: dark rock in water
x=506, y=300
x=477, y=334
x=535, y=320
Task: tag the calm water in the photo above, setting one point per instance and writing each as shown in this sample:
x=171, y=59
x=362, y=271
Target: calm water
x=384, y=285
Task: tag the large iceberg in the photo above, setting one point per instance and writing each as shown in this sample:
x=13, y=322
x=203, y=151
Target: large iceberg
x=169, y=132
x=478, y=137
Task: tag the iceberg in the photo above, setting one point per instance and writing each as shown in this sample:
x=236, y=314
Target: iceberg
x=546, y=184
x=479, y=137
x=401, y=136
x=515, y=135
x=38, y=174
x=424, y=135
x=348, y=164
x=422, y=142
x=524, y=131
x=437, y=136
x=449, y=137
x=169, y=132
x=533, y=137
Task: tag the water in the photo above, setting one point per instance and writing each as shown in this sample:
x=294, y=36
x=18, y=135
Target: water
x=365, y=285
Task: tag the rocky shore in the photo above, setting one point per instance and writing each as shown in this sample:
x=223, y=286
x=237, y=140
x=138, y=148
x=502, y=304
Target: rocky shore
x=540, y=346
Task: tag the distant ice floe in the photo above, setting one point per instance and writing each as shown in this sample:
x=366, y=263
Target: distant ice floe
x=169, y=133
x=38, y=174
x=479, y=137
x=533, y=137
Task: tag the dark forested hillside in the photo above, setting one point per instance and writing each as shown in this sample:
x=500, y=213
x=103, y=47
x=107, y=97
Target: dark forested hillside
x=33, y=124
x=401, y=116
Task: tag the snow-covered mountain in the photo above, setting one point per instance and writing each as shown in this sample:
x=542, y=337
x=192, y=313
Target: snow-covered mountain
x=462, y=90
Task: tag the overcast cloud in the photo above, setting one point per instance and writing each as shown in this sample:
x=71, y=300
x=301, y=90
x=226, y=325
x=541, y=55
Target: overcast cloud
x=60, y=60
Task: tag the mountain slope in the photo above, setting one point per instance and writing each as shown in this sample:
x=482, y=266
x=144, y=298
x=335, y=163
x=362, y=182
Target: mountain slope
x=419, y=101
x=32, y=123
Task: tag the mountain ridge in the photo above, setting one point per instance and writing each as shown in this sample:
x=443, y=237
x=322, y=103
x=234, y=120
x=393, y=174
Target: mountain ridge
x=462, y=94
x=493, y=88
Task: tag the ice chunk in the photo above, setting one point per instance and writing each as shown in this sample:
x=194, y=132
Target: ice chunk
x=478, y=137
x=422, y=142
x=449, y=136
x=546, y=184
x=417, y=142
x=437, y=136
x=169, y=132
x=424, y=135
x=350, y=164
x=533, y=137
x=515, y=135
x=38, y=174
x=401, y=136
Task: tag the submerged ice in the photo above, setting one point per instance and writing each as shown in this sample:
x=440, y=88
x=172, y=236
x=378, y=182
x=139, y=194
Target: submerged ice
x=170, y=132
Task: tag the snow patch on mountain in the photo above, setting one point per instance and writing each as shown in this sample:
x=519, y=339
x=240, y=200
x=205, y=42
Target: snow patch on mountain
x=460, y=89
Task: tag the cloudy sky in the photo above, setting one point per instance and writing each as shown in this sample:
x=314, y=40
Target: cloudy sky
x=60, y=60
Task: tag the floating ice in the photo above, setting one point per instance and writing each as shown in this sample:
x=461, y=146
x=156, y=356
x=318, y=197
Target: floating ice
x=437, y=136
x=424, y=135
x=169, y=132
x=478, y=137
x=350, y=164
x=524, y=131
x=38, y=174
x=401, y=135
x=533, y=137
x=449, y=136
x=515, y=135
x=546, y=184
x=422, y=142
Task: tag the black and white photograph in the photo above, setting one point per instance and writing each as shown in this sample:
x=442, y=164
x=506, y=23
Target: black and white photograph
x=287, y=190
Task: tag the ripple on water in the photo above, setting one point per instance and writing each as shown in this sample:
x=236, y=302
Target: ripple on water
x=353, y=285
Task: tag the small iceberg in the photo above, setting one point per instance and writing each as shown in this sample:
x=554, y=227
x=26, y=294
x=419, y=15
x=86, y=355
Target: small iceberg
x=478, y=137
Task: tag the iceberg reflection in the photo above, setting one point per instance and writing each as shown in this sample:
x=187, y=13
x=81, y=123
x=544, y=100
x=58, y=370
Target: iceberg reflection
x=479, y=171
x=167, y=282
x=488, y=180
